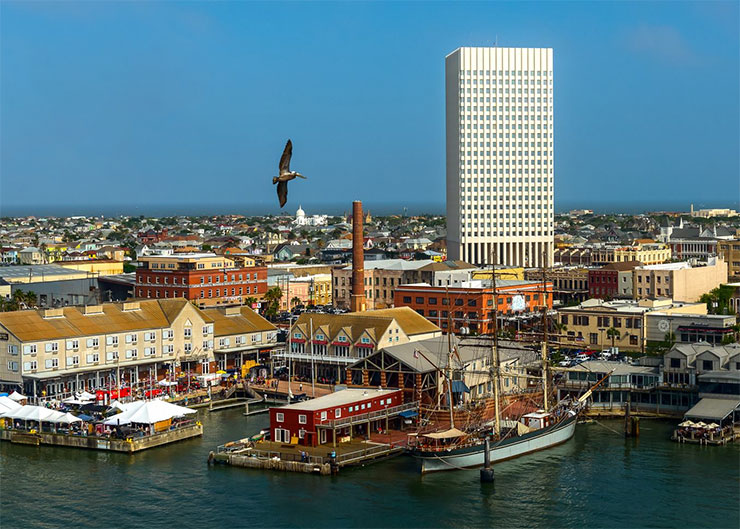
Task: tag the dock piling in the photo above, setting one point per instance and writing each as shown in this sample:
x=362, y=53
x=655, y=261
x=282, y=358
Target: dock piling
x=486, y=473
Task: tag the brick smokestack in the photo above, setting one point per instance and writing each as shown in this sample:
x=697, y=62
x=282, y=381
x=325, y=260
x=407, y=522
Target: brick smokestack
x=358, y=260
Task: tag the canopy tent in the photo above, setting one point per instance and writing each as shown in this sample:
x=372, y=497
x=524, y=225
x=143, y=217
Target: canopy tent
x=408, y=414
x=148, y=412
x=68, y=418
x=115, y=405
x=712, y=425
x=713, y=409
x=700, y=424
x=17, y=396
x=86, y=396
x=447, y=434
x=6, y=404
x=687, y=424
x=166, y=383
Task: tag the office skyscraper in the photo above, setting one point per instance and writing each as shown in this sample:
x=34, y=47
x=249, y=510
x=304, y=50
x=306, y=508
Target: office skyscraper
x=500, y=155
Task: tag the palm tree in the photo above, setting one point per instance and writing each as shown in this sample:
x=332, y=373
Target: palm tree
x=249, y=301
x=614, y=334
x=295, y=301
x=273, y=297
x=31, y=299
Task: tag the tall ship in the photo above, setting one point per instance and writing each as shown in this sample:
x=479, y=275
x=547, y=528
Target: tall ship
x=535, y=429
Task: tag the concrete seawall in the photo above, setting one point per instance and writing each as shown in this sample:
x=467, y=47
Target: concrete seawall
x=102, y=443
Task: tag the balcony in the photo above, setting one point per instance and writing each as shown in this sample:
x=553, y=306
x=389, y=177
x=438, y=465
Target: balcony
x=365, y=417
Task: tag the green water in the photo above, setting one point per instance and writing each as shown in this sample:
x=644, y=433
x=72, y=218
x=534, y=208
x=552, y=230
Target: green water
x=595, y=480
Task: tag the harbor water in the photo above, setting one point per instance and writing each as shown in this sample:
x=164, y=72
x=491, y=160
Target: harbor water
x=598, y=479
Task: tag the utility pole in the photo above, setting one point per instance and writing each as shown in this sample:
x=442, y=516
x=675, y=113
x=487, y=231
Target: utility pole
x=545, y=362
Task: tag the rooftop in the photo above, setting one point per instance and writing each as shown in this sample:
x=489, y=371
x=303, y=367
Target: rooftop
x=339, y=398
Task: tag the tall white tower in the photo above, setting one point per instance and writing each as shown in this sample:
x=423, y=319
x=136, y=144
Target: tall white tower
x=500, y=155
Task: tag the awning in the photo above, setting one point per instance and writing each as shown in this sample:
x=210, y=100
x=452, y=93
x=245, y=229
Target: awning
x=407, y=414
x=447, y=434
x=458, y=386
x=713, y=409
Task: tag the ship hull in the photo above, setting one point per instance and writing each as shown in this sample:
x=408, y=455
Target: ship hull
x=471, y=457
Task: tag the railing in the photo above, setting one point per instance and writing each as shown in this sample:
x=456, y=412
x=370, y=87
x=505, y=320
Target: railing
x=316, y=358
x=365, y=417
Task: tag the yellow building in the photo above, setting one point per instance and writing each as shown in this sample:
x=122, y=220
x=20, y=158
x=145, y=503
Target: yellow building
x=60, y=351
x=730, y=251
x=98, y=267
x=504, y=272
x=647, y=253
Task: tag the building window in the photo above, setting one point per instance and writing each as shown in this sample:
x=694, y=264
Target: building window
x=675, y=363
x=301, y=419
x=337, y=413
x=280, y=417
x=407, y=299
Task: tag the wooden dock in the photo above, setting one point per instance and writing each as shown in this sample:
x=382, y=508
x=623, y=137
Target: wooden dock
x=129, y=446
x=268, y=455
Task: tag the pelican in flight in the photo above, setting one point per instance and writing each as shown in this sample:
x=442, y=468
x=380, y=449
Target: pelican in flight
x=285, y=174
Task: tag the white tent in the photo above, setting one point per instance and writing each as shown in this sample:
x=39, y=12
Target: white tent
x=166, y=383
x=86, y=396
x=34, y=413
x=17, y=396
x=7, y=404
x=67, y=418
x=148, y=412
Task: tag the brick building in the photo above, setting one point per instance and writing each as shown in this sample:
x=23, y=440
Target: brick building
x=470, y=306
x=207, y=278
x=612, y=281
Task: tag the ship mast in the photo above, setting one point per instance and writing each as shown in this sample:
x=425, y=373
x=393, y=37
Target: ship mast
x=495, y=374
x=545, y=362
x=449, y=364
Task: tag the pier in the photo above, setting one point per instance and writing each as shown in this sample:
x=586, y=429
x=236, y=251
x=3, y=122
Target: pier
x=269, y=455
x=129, y=445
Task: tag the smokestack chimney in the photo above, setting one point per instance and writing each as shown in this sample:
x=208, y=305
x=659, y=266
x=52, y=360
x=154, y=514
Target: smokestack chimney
x=357, y=303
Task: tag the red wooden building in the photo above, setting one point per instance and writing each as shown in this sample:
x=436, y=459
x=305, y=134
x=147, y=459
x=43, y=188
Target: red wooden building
x=325, y=419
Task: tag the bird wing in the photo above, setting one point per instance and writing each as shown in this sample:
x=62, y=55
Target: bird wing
x=285, y=158
x=282, y=191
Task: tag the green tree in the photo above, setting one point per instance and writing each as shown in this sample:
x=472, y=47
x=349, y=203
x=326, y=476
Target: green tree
x=295, y=301
x=273, y=297
x=718, y=300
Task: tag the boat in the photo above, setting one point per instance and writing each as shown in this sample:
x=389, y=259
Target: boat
x=454, y=449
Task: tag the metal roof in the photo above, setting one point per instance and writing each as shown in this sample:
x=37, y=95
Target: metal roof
x=340, y=398
x=714, y=409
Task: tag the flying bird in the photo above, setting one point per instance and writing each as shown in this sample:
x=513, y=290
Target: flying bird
x=285, y=174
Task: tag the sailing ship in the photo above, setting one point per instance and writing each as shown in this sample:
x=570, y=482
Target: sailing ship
x=544, y=428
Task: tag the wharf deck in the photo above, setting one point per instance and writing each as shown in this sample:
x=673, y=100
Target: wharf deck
x=272, y=455
x=128, y=446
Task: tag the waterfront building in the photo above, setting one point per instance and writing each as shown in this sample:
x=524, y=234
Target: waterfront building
x=58, y=351
x=416, y=369
x=325, y=344
x=588, y=324
x=640, y=385
x=204, y=278
x=332, y=418
x=470, y=306
x=730, y=251
x=680, y=281
x=499, y=107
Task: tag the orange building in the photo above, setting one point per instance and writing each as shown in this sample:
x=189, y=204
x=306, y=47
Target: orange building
x=471, y=305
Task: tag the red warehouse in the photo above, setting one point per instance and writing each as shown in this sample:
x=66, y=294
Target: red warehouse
x=336, y=417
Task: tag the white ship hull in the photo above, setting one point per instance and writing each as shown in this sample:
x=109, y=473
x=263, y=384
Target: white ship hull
x=474, y=456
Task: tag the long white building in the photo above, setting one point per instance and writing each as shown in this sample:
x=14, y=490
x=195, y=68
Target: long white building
x=500, y=155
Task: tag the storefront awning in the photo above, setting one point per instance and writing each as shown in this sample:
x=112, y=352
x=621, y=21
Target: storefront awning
x=407, y=414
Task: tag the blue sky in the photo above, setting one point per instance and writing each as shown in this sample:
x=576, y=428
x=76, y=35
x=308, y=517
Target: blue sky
x=147, y=105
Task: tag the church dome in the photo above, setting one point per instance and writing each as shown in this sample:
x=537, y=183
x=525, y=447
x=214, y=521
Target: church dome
x=300, y=212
